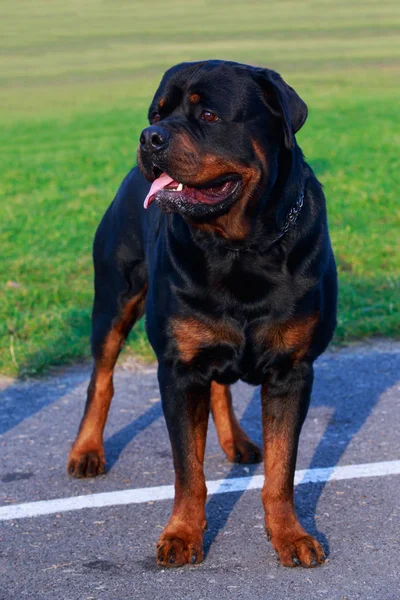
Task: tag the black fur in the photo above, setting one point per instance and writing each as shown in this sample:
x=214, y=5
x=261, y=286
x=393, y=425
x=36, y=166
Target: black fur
x=262, y=279
x=191, y=272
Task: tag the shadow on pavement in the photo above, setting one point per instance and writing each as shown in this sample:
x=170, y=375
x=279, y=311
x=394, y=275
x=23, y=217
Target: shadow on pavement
x=115, y=444
x=352, y=386
x=23, y=399
x=349, y=384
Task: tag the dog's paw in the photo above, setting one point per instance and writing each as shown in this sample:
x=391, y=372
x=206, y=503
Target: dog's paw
x=242, y=450
x=304, y=551
x=86, y=463
x=180, y=549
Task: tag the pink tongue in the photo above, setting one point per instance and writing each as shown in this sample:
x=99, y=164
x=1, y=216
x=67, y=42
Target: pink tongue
x=158, y=184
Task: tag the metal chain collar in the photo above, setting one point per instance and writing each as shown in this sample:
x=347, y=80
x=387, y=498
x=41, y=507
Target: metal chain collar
x=290, y=222
x=294, y=213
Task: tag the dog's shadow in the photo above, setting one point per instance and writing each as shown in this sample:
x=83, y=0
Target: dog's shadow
x=347, y=386
x=344, y=384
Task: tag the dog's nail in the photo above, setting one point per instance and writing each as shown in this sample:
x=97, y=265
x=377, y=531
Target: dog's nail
x=295, y=561
x=314, y=563
x=193, y=559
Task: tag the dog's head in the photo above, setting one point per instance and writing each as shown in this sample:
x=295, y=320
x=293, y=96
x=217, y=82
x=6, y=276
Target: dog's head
x=215, y=131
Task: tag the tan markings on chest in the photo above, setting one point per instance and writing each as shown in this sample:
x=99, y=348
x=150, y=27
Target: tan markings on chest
x=192, y=335
x=293, y=336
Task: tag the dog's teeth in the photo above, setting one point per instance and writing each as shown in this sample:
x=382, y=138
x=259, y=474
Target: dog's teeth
x=179, y=188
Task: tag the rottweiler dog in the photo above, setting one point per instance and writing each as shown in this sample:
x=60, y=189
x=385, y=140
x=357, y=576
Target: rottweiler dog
x=220, y=235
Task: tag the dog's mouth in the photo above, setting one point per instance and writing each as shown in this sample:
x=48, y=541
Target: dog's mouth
x=165, y=189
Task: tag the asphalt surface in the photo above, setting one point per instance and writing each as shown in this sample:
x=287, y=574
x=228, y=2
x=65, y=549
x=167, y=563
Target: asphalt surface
x=109, y=553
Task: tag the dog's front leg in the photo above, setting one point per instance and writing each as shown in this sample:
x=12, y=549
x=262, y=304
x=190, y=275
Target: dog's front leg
x=186, y=409
x=285, y=398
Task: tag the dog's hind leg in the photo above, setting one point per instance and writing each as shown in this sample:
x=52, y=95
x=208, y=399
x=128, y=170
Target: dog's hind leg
x=117, y=307
x=237, y=446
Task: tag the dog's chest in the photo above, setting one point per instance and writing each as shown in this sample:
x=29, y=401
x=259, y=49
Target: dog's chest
x=244, y=323
x=250, y=283
x=236, y=351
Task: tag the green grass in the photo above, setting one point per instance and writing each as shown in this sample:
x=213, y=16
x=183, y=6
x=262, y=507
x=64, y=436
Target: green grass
x=75, y=82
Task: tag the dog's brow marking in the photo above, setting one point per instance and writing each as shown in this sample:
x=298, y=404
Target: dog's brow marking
x=161, y=103
x=194, y=98
x=166, y=492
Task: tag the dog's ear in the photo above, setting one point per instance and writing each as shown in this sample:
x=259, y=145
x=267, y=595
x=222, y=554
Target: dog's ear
x=283, y=102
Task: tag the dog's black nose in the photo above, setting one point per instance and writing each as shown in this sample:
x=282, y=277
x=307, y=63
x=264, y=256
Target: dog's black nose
x=154, y=138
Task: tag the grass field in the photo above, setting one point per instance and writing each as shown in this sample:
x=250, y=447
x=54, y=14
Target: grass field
x=75, y=82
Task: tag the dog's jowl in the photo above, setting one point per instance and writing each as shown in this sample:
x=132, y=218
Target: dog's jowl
x=220, y=236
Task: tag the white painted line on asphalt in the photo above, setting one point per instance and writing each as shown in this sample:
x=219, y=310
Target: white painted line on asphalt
x=166, y=492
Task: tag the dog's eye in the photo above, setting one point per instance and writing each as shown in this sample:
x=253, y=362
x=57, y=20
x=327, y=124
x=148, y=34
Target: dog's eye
x=155, y=117
x=208, y=116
